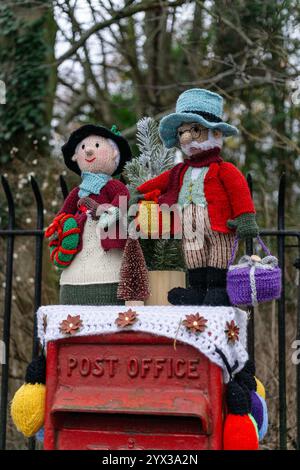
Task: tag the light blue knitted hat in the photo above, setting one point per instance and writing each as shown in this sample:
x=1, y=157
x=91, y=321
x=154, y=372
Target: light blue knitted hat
x=195, y=105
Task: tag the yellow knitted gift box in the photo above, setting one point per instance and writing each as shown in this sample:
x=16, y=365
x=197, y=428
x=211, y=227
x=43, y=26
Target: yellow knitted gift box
x=151, y=220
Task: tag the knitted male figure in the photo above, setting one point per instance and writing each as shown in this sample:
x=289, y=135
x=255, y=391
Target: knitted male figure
x=95, y=153
x=213, y=195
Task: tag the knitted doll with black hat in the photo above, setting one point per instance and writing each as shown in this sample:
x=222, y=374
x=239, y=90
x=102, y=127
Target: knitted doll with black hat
x=87, y=236
x=212, y=195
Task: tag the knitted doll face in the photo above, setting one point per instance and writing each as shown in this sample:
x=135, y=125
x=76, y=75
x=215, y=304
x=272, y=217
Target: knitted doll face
x=194, y=138
x=97, y=154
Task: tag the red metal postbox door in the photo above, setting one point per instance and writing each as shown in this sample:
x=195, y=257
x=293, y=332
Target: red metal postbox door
x=131, y=390
x=124, y=431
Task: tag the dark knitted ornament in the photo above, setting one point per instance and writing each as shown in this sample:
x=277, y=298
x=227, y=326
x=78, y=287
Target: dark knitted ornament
x=237, y=399
x=249, y=367
x=36, y=371
x=246, y=379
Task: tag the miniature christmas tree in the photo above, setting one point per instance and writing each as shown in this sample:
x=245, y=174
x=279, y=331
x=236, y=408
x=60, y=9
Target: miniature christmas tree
x=167, y=255
x=153, y=160
x=154, y=157
x=134, y=279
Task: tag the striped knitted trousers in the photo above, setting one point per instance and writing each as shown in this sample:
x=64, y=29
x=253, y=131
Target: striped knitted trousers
x=203, y=246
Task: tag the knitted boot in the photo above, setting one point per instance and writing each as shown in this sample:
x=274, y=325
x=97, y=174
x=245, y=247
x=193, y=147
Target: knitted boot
x=192, y=295
x=216, y=283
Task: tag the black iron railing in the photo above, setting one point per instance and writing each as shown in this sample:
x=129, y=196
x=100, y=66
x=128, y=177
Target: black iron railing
x=11, y=232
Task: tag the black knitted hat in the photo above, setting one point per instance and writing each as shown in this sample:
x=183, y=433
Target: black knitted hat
x=68, y=149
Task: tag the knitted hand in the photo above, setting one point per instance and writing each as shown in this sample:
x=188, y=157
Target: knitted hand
x=109, y=217
x=86, y=204
x=245, y=225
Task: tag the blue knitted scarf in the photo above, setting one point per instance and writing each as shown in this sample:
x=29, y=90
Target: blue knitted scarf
x=92, y=183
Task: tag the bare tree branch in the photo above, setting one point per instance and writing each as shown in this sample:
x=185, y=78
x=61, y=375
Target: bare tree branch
x=124, y=13
x=226, y=21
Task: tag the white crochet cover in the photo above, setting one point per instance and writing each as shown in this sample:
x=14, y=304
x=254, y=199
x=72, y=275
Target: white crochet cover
x=158, y=320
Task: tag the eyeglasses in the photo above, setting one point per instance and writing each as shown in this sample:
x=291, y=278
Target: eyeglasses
x=195, y=131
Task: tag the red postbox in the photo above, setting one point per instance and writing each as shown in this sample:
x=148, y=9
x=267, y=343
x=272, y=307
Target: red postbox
x=131, y=390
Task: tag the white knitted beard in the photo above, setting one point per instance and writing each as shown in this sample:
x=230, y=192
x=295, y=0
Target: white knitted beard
x=210, y=143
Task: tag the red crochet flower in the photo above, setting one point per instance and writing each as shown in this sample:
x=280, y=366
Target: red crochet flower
x=232, y=332
x=126, y=318
x=70, y=325
x=195, y=322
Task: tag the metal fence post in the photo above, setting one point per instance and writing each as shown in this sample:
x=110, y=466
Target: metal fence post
x=38, y=271
x=281, y=319
x=7, y=310
x=297, y=266
x=249, y=251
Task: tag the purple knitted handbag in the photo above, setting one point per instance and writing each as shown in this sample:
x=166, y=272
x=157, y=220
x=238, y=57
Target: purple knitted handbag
x=253, y=280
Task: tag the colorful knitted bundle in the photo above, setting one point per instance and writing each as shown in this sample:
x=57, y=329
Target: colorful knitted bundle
x=246, y=422
x=28, y=403
x=256, y=395
x=253, y=280
x=240, y=429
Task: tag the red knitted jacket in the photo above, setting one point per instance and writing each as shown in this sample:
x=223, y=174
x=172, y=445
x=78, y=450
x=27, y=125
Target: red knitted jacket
x=109, y=194
x=225, y=188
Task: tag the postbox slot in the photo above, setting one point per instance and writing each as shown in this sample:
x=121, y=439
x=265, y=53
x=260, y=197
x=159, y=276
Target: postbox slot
x=90, y=404
x=129, y=423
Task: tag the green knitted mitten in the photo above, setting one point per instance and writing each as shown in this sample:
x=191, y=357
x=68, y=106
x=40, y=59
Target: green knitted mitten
x=245, y=225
